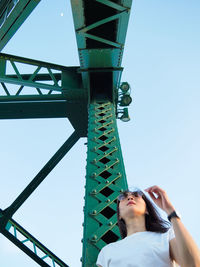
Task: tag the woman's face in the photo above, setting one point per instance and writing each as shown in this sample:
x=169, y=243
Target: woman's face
x=132, y=205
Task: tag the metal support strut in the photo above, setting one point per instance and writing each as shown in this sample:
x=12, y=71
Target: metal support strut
x=105, y=178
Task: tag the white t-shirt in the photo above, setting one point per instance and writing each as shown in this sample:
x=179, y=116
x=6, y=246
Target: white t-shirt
x=142, y=249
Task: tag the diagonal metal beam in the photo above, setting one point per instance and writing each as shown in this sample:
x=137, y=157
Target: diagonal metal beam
x=112, y=4
x=42, y=175
x=25, y=241
x=12, y=16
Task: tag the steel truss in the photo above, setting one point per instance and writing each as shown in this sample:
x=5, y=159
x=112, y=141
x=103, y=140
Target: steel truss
x=11, y=229
x=88, y=97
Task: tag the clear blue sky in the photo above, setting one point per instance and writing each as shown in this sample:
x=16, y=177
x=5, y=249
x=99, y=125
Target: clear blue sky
x=161, y=143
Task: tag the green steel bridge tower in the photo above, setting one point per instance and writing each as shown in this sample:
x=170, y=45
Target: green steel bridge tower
x=91, y=96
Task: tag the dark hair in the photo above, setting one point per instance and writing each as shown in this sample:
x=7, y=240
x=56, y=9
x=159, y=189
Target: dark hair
x=153, y=220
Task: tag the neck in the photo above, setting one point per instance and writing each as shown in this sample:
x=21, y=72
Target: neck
x=136, y=224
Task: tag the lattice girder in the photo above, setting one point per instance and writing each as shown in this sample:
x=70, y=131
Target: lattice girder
x=44, y=77
x=105, y=178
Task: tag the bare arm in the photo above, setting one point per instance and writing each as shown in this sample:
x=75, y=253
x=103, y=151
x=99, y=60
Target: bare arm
x=183, y=249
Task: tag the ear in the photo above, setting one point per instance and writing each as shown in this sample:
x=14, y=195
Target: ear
x=146, y=212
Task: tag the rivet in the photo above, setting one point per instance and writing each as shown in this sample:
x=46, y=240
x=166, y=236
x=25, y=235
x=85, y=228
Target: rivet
x=94, y=237
x=94, y=212
x=108, y=200
x=110, y=223
x=94, y=191
x=107, y=182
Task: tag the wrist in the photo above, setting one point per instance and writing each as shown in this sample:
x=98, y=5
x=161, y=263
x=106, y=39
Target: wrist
x=170, y=210
x=173, y=215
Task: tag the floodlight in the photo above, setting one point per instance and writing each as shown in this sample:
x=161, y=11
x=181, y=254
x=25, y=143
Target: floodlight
x=124, y=87
x=125, y=116
x=125, y=100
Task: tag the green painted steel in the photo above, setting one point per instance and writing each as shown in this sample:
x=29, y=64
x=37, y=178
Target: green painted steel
x=11, y=229
x=105, y=179
x=101, y=27
x=88, y=96
x=45, y=77
x=12, y=15
x=49, y=91
x=30, y=245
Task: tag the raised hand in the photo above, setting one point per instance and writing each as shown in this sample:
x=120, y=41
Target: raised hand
x=160, y=198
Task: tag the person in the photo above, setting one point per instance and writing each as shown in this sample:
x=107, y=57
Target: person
x=147, y=239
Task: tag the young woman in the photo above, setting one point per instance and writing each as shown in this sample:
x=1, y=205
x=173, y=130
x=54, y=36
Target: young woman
x=148, y=240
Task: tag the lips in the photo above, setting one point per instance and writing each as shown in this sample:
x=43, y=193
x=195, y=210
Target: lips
x=130, y=203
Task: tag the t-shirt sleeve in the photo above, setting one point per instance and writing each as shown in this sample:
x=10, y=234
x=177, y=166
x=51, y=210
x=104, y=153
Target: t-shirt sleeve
x=101, y=261
x=171, y=234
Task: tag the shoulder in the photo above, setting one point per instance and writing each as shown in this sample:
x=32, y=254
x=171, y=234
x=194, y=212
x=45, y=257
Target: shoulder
x=112, y=245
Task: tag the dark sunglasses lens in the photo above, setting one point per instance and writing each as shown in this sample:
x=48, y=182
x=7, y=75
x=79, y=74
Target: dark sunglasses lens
x=125, y=194
x=122, y=196
x=137, y=193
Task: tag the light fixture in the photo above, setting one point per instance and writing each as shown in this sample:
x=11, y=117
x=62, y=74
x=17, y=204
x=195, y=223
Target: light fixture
x=125, y=116
x=125, y=100
x=124, y=87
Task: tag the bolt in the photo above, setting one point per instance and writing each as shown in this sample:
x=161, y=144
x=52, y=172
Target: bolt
x=94, y=237
x=94, y=191
x=110, y=223
x=94, y=174
x=107, y=182
x=108, y=200
x=94, y=212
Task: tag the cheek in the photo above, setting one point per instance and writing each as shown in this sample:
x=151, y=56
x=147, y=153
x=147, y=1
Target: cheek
x=121, y=212
x=143, y=205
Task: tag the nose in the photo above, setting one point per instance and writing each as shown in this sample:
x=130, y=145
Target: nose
x=130, y=197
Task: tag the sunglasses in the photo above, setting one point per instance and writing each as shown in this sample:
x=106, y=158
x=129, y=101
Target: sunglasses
x=125, y=194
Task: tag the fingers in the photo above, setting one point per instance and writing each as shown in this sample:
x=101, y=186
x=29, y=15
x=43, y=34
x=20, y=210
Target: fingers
x=155, y=192
x=154, y=189
x=152, y=195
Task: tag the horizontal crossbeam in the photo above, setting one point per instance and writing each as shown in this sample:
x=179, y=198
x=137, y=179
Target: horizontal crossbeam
x=46, y=78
